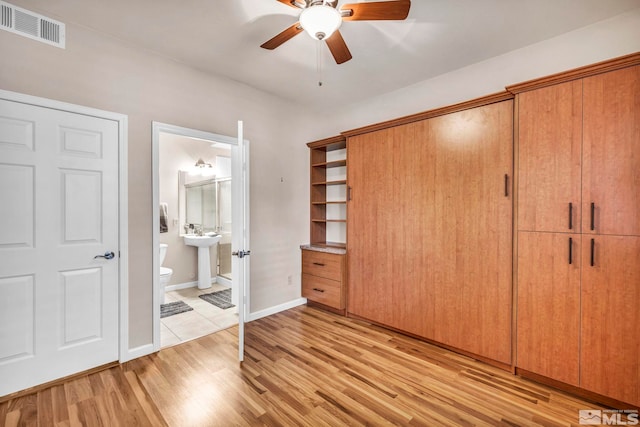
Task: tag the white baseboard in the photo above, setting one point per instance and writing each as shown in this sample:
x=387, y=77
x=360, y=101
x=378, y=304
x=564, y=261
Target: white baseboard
x=275, y=309
x=224, y=281
x=134, y=353
x=188, y=285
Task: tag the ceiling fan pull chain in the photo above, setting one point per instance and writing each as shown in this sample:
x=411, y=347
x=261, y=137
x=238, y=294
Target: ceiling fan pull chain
x=319, y=61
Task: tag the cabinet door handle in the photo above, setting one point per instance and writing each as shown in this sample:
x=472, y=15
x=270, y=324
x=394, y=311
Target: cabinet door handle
x=318, y=264
x=570, y=216
x=593, y=216
x=593, y=250
x=506, y=185
x=348, y=193
x=570, y=251
x=319, y=290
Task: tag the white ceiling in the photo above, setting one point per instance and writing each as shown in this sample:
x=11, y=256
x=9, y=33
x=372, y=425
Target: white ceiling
x=223, y=37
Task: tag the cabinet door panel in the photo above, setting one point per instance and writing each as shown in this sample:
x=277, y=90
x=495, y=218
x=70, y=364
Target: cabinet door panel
x=389, y=227
x=549, y=145
x=610, y=340
x=611, y=152
x=429, y=229
x=369, y=226
x=548, y=333
x=472, y=240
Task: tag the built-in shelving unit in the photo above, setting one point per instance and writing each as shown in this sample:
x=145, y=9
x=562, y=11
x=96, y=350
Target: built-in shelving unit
x=329, y=192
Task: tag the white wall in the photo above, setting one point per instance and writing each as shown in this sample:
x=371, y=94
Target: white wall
x=604, y=40
x=104, y=73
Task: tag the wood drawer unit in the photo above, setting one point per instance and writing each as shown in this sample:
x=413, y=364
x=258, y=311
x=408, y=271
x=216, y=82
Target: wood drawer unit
x=323, y=278
x=322, y=264
x=324, y=291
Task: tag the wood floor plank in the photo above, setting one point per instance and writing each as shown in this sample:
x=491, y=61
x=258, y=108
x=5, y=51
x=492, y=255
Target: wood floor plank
x=303, y=367
x=45, y=407
x=151, y=412
x=59, y=403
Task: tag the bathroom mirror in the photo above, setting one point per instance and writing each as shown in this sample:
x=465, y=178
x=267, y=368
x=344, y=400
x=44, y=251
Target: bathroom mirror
x=198, y=201
x=200, y=204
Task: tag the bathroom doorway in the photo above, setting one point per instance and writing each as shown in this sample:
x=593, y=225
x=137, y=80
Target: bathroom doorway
x=196, y=287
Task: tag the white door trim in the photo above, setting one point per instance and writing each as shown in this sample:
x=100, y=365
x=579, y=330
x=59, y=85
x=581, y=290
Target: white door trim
x=156, y=129
x=123, y=212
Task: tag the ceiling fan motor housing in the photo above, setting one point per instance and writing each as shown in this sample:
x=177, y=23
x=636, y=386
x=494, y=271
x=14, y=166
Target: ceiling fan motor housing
x=332, y=3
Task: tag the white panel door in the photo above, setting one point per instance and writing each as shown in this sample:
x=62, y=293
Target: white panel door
x=58, y=210
x=240, y=241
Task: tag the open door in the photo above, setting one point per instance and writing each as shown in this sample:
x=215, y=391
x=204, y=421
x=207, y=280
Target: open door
x=240, y=233
x=239, y=223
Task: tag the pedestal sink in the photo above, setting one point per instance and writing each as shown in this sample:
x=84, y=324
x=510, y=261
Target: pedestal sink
x=203, y=243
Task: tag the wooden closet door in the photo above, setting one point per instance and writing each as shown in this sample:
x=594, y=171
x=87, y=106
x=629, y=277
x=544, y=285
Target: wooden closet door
x=548, y=332
x=549, y=158
x=473, y=229
x=611, y=153
x=369, y=224
x=610, y=349
x=391, y=215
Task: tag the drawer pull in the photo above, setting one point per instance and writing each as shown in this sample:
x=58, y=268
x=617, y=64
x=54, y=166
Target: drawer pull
x=318, y=263
x=319, y=290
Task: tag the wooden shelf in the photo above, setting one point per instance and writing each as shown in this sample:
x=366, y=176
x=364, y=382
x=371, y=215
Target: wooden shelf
x=344, y=181
x=327, y=165
x=329, y=144
x=326, y=182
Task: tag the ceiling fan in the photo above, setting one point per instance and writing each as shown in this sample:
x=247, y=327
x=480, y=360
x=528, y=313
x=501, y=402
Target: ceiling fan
x=321, y=19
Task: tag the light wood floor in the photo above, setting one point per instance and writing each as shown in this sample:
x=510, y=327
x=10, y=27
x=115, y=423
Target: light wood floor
x=303, y=367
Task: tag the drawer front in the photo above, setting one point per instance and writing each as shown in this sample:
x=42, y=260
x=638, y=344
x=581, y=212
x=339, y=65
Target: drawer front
x=324, y=291
x=322, y=264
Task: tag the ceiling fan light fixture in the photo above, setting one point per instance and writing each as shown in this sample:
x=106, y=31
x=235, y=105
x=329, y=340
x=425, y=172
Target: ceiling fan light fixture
x=320, y=21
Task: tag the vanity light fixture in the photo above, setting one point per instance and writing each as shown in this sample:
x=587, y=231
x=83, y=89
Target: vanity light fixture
x=204, y=169
x=201, y=164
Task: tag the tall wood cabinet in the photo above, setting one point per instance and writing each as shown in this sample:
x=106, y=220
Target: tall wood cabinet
x=579, y=233
x=549, y=223
x=429, y=228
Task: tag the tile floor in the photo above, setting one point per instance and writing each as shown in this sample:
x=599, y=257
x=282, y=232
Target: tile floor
x=204, y=319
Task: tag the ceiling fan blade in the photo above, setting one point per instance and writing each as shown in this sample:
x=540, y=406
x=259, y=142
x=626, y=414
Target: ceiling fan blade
x=338, y=48
x=287, y=34
x=377, y=11
x=288, y=3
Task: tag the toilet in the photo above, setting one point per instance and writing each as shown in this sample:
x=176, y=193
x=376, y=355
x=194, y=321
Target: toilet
x=165, y=273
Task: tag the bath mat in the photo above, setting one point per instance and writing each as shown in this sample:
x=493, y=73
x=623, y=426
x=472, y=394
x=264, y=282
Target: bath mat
x=221, y=299
x=171, y=308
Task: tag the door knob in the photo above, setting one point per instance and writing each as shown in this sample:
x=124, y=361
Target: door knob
x=241, y=254
x=107, y=255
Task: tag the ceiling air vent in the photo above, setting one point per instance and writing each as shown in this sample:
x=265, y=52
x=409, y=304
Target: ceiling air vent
x=29, y=24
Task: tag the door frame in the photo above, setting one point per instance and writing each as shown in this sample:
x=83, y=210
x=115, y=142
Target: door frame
x=123, y=200
x=156, y=129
